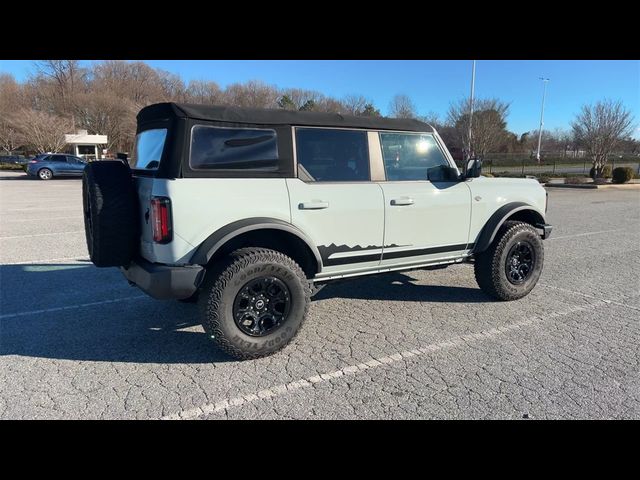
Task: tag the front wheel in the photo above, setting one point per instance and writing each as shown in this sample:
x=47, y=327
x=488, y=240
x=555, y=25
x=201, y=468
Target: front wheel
x=254, y=302
x=512, y=265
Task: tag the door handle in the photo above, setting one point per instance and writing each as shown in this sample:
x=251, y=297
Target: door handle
x=402, y=201
x=313, y=205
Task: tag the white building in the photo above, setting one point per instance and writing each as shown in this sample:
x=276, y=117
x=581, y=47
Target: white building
x=86, y=146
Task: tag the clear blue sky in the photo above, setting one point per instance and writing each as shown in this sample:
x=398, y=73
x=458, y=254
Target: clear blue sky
x=431, y=84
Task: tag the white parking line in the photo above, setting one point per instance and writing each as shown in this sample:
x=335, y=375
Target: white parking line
x=48, y=209
x=282, y=389
x=586, y=234
x=79, y=217
x=42, y=234
x=45, y=260
x=70, y=307
x=586, y=295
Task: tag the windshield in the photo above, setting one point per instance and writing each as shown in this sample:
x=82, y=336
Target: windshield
x=148, y=150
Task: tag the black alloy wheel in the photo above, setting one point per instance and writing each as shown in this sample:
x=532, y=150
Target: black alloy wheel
x=261, y=306
x=520, y=262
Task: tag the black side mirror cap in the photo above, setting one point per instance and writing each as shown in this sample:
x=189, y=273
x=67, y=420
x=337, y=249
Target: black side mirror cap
x=474, y=168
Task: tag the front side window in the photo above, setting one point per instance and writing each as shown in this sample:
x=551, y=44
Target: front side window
x=233, y=149
x=148, y=149
x=409, y=156
x=332, y=155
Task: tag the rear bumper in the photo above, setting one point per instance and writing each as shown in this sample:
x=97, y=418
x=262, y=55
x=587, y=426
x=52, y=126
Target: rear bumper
x=164, y=281
x=546, y=229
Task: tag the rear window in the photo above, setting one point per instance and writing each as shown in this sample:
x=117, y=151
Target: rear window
x=216, y=148
x=148, y=150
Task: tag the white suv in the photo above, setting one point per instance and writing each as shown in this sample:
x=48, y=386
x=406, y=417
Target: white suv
x=249, y=212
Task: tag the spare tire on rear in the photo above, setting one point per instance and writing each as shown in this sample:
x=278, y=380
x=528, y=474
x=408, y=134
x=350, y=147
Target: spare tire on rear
x=110, y=213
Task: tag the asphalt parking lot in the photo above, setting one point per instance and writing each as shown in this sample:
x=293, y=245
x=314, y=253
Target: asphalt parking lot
x=78, y=342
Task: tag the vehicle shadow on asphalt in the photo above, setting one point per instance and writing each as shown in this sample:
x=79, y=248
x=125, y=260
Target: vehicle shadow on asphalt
x=141, y=330
x=400, y=287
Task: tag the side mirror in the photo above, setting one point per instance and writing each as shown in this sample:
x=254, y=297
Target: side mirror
x=442, y=173
x=474, y=168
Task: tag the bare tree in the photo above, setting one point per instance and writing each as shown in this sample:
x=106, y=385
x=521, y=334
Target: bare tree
x=103, y=113
x=136, y=81
x=41, y=131
x=489, y=124
x=329, y=105
x=67, y=78
x=203, y=92
x=173, y=88
x=599, y=128
x=433, y=119
x=300, y=97
x=9, y=136
x=401, y=106
x=11, y=100
x=355, y=104
x=254, y=94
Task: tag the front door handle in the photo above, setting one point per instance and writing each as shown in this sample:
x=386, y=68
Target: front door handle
x=313, y=205
x=402, y=201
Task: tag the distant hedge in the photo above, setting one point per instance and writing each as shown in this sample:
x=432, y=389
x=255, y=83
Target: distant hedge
x=622, y=174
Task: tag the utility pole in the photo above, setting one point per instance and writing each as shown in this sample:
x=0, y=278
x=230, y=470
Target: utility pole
x=544, y=94
x=471, y=101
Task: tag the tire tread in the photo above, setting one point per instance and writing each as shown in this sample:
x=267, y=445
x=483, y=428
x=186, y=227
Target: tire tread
x=216, y=282
x=487, y=264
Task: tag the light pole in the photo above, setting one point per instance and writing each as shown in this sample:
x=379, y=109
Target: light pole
x=544, y=94
x=473, y=88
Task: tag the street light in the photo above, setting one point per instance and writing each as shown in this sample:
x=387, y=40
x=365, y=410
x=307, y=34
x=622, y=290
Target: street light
x=544, y=94
x=473, y=87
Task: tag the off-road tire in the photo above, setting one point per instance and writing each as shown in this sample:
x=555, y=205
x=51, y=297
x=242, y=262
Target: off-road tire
x=489, y=266
x=110, y=213
x=224, y=281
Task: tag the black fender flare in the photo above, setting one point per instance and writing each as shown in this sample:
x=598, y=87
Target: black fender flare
x=490, y=229
x=217, y=239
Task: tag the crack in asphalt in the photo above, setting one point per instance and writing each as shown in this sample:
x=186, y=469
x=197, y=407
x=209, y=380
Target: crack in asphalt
x=277, y=390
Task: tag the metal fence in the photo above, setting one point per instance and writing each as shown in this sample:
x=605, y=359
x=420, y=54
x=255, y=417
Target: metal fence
x=551, y=165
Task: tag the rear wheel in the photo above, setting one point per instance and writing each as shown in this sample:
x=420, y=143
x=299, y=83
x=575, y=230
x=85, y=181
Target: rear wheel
x=45, y=174
x=512, y=265
x=254, y=302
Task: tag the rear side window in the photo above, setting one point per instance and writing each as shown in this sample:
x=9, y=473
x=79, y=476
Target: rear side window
x=216, y=148
x=57, y=158
x=331, y=155
x=148, y=149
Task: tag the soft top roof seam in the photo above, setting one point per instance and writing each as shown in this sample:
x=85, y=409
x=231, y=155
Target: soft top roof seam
x=237, y=115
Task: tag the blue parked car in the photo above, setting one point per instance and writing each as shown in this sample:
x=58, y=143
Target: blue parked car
x=48, y=165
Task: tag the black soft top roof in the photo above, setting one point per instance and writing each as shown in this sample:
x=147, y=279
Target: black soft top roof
x=215, y=113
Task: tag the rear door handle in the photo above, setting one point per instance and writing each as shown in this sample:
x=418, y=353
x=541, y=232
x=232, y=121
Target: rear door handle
x=313, y=205
x=402, y=201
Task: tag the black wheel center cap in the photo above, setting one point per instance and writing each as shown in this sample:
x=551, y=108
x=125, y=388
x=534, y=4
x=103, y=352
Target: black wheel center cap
x=260, y=304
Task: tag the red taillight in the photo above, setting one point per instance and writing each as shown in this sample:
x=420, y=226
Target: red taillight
x=161, y=219
x=33, y=161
